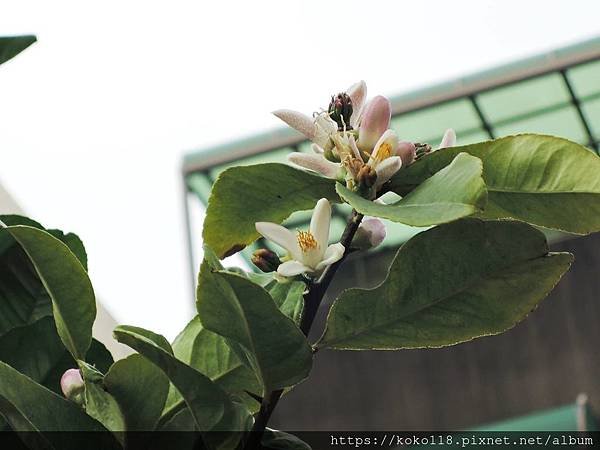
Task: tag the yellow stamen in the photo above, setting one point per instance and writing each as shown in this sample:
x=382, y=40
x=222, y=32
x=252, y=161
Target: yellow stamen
x=383, y=152
x=306, y=241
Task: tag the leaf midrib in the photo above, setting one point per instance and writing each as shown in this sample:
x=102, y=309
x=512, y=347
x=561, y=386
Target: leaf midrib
x=484, y=276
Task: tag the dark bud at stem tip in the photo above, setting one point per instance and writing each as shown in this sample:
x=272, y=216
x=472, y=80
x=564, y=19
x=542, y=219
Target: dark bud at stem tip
x=422, y=149
x=266, y=260
x=340, y=110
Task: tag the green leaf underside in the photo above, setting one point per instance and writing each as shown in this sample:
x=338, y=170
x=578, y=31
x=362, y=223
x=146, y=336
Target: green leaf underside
x=205, y=400
x=28, y=406
x=263, y=338
x=244, y=195
x=67, y=283
x=100, y=404
x=23, y=298
x=140, y=388
x=287, y=296
x=450, y=284
x=11, y=46
x=454, y=192
x=544, y=180
x=37, y=351
x=209, y=353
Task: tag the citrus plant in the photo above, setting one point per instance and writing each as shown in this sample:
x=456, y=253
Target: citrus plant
x=479, y=268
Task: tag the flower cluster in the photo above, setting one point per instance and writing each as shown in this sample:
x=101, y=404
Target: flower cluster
x=352, y=143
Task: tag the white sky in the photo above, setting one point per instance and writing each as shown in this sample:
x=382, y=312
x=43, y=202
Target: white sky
x=95, y=117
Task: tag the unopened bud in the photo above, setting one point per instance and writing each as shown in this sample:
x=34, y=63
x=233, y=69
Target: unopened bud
x=370, y=234
x=72, y=386
x=375, y=121
x=266, y=260
x=407, y=152
x=340, y=110
x=422, y=150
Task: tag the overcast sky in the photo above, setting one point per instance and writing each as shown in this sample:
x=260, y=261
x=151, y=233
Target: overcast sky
x=95, y=117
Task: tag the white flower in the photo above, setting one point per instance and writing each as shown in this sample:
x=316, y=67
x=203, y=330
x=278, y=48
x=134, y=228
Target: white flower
x=308, y=250
x=321, y=128
x=449, y=139
x=317, y=163
x=384, y=158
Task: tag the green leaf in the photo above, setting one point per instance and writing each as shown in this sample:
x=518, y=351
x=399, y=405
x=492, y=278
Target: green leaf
x=280, y=440
x=11, y=46
x=27, y=406
x=263, y=338
x=544, y=180
x=450, y=284
x=67, y=283
x=37, y=351
x=140, y=389
x=23, y=298
x=242, y=196
x=209, y=353
x=289, y=298
x=99, y=404
x=454, y=192
x=206, y=401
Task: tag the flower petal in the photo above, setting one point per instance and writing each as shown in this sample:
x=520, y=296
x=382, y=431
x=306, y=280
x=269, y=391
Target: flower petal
x=333, y=254
x=449, y=139
x=357, y=93
x=386, y=147
x=297, y=121
x=281, y=236
x=387, y=169
x=319, y=223
x=317, y=149
x=325, y=126
x=292, y=268
x=316, y=162
x=375, y=120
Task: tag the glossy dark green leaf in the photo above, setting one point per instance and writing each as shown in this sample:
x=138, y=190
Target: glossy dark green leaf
x=544, y=180
x=288, y=297
x=209, y=353
x=206, y=401
x=454, y=192
x=140, y=389
x=100, y=404
x=269, y=192
x=263, y=338
x=447, y=285
x=11, y=46
x=23, y=298
x=37, y=351
x=67, y=283
x=30, y=407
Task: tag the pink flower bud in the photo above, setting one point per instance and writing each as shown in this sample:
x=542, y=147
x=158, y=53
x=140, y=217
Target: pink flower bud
x=375, y=121
x=72, y=386
x=407, y=152
x=370, y=234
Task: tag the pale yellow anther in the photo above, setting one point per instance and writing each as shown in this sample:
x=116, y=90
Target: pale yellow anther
x=306, y=241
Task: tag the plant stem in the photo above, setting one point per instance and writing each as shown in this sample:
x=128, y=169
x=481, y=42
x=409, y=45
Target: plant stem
x=312, y=300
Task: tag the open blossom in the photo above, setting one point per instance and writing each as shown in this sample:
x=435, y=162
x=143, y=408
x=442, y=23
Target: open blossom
x=308, y=251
